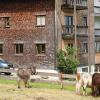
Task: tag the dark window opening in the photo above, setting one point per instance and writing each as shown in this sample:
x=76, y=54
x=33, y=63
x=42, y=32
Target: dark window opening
x=4, y=22
x=70, y=45
x=84, y=69
x=40, y=48
x=1, y=48
x=18, y=48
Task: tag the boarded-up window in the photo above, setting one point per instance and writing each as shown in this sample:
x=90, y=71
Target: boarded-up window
x=41, y=20
x=40, y=48
x=4, y=22
x=19, y=48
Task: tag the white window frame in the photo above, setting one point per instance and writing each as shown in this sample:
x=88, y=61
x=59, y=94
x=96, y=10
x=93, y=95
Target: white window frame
x=40, y=20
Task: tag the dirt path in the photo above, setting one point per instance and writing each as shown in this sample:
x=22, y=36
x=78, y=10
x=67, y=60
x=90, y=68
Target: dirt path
x=10, y=92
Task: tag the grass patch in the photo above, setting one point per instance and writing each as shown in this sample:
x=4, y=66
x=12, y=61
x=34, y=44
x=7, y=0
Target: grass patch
x=39, y=84
x=42, y=85
x=6, y=81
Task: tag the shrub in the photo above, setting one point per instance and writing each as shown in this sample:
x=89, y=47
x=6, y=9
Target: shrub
x=66, y=61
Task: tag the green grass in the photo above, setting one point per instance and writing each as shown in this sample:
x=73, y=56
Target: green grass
x=42, y=85
x=6, y=81
x=39, y=84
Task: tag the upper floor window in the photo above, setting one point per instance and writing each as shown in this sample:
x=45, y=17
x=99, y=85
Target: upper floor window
x=19, y=48
x=4, y=22
x=1, y=48
x=69, y=20
x=40, y=20
x=40, y=48
x=97, y=47
x=69, y=24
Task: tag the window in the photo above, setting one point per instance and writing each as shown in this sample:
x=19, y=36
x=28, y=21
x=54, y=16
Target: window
x=4, y=22
x=69, y=23
x=40, y=48
x=41, y=20
x=85, y=20
x=18, y=48
x=70, y=45
x=1, y=48
x=84, y=69
x=84, y=47
x=97, y=47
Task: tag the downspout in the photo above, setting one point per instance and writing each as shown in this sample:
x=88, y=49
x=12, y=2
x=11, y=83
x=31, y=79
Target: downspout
x=55, y=36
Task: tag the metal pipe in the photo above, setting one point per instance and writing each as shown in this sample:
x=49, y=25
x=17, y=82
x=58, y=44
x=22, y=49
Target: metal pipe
x=75, y=24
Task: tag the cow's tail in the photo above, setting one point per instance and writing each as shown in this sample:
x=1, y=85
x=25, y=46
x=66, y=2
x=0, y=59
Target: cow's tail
x=78, y=76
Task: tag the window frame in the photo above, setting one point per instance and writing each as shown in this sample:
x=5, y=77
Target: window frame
x=5, y=22
x=70, y=45
x=69, y=23
x=43, y=52
x=1, y=53
x=84, y=47
x=40, y=18
x=97, y=50
x=19, y=52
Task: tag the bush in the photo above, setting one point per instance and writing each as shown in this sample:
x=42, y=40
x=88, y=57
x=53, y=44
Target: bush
x=66, y=61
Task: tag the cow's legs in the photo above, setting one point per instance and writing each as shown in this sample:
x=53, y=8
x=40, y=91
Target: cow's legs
x=19, y=82
x=84, y=90
x=95, y=91
x=27, y=85
x=78, y=86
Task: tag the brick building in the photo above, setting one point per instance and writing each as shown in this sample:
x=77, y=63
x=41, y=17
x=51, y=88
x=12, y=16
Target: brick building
x=31, y=31
x=27, y=32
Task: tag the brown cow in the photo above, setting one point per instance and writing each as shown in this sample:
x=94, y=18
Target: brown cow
x=24, y=75
x=96, y=84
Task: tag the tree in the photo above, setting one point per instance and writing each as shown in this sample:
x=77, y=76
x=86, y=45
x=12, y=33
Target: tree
x=67, y=62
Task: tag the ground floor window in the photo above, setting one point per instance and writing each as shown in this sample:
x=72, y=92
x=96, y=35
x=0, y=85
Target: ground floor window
x=85, y=69
x=97, y=47
x=84, y=47
x=1, y=48
x=70, y=45
x=18, y=48
x=40, y=49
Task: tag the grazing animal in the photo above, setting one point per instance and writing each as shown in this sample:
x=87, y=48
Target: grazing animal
x=96, y=84
x=24, y=75
x=83, y=80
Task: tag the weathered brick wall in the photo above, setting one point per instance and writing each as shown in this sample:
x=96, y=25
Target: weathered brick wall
x=23, y=28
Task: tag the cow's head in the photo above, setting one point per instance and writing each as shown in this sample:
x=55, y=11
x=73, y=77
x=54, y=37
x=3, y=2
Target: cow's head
x=33, y=71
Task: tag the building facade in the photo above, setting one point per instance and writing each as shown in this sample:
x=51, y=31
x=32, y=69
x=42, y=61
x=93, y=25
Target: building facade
x=31, y=31
x=27, y=32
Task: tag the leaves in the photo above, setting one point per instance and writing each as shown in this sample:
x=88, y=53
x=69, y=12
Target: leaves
x=66, y=59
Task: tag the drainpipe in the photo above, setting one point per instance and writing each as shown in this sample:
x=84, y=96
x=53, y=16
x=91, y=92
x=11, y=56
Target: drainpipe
x=55, y=36
x=91, y=36
x=75, y=28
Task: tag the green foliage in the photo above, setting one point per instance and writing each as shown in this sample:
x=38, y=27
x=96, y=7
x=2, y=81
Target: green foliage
x=67, y=62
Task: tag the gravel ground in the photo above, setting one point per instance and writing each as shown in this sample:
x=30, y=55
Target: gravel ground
x=11, y=92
